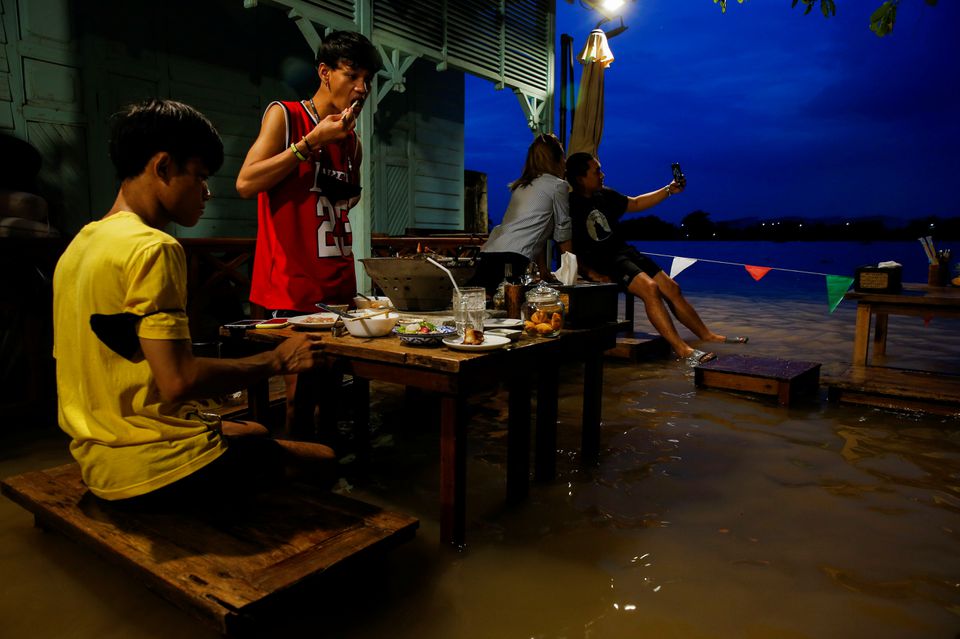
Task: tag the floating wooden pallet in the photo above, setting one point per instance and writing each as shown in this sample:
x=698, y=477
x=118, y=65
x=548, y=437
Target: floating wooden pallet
x=220, y=565
x=898, y=389
x=785, y=379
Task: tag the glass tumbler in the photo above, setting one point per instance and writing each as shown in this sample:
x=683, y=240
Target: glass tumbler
x=469, y=308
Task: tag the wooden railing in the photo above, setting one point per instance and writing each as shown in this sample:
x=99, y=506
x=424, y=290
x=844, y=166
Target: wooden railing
x=448, y=245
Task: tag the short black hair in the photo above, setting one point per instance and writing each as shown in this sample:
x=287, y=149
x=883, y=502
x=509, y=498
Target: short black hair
x=577, y=166
x=350, y=47
x=141, y=130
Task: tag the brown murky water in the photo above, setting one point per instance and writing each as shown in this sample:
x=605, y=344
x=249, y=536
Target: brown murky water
x=710, y=515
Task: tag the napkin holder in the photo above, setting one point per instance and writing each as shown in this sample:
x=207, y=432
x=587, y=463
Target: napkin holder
x=878, y=279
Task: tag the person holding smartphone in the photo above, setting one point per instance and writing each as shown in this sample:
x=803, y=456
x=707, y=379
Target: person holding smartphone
x=604, y=255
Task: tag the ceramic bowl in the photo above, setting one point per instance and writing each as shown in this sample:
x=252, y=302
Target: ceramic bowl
x=372, y=326
x=373, y=302
x=433, y=338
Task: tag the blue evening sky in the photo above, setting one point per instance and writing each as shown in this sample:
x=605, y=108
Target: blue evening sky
x=770, y=112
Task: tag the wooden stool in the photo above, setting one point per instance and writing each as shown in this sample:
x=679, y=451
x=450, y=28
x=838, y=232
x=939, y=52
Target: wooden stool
x=785, y=379
x=220, y=565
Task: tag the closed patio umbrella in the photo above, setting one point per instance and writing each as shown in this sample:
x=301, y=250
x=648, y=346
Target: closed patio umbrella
x=588, y=119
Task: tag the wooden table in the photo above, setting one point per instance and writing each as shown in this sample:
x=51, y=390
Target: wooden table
x=915, y=299
x=453, y=376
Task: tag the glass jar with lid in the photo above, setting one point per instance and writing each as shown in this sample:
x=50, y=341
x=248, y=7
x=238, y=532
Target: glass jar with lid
x=543, y=311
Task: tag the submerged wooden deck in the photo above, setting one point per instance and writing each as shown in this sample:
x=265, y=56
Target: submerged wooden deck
x=898, y=389
x=222, y=565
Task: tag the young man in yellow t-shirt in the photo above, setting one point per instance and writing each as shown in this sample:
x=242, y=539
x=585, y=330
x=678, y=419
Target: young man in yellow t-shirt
x=130, y=390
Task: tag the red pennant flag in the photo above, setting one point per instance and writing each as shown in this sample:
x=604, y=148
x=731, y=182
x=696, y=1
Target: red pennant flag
x=757, y=272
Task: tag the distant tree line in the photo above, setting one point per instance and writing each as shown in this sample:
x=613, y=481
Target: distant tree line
x=881, y=20
x=698, y=226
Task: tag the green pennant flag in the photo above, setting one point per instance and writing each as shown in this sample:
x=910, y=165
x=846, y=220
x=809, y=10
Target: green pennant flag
x=837, y=285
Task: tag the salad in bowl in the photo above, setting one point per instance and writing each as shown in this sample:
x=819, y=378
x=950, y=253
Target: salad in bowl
x=423, y=333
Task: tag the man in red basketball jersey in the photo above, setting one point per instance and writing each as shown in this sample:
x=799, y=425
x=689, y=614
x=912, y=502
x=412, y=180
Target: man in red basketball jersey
x=304, y=168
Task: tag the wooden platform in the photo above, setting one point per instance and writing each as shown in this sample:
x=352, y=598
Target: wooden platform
x=222, y=566
x=898, y=389
x=635, y=347
x=785, y=379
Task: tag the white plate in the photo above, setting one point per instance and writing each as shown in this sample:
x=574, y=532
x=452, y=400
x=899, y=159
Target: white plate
x=502, y=322
x=490, y=343
x=326, y=321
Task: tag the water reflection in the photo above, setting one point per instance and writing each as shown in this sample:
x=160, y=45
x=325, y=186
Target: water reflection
x=710, y=514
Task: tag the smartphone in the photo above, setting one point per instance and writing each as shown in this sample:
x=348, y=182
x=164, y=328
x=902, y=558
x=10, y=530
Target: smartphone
x=276, y=322
x=678, y=175
x=247, y=323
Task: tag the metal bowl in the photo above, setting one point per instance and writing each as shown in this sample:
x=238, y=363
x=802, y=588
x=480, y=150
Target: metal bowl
x=414, y=284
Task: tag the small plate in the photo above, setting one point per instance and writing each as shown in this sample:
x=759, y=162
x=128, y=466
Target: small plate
x=314, y=321
x=490, y=343
x=502, y=322
x=512, y=334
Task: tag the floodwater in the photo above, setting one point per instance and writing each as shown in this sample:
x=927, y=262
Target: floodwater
x=709, y=515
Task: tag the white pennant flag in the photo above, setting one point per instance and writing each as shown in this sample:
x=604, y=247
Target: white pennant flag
x=680, y=264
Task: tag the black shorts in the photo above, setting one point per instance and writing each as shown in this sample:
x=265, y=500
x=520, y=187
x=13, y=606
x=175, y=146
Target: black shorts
x=629, y=262
x=250, y=462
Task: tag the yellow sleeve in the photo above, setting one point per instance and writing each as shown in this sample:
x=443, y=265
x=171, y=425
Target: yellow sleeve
x=157, y=292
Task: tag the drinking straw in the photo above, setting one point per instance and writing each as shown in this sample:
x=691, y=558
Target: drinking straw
x=447, y=271
x=926, y=250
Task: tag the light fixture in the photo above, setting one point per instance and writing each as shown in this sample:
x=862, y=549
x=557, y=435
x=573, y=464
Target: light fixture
x=610, y=10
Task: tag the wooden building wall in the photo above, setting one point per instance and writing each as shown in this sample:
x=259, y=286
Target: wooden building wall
x=66, y=65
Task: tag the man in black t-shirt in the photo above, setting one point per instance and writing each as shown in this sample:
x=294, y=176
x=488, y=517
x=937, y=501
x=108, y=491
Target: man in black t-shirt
x=602, y=251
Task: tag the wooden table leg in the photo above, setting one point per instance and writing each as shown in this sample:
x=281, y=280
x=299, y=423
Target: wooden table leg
x=302, y=426
x=880, y=335
x=453, y=470
x=545, y=455
x=360, y=397
x=592, y=395
x=518, y=439
x=258, y=402
x=861, y=337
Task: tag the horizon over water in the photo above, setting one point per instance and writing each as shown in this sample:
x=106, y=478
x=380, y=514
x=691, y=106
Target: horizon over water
x=822, y=257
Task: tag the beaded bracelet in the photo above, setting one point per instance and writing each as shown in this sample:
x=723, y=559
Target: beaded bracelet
x=307, y=144
x=296, y=152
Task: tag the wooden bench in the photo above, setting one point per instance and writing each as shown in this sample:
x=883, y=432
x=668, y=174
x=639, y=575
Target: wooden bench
x=223, y=566
x=785, y=379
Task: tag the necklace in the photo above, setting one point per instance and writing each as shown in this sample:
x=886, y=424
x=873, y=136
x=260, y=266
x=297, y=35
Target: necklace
x=316, y=113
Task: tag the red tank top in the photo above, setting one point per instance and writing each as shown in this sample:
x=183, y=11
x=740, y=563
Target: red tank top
x=304, y=250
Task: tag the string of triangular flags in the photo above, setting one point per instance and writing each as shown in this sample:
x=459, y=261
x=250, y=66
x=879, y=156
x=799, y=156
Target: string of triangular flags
x=837, y=285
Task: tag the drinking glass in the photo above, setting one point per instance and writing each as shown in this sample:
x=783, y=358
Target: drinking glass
x=469, y=308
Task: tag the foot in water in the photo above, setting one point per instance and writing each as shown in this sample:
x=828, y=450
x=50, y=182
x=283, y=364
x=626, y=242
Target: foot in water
x=698, y=357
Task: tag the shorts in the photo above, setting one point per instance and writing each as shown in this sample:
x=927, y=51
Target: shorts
x=249, y=462
x=628, y=262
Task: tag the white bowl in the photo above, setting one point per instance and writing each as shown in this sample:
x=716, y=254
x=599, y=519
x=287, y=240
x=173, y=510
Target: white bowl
x=372, y=326
x=373, y=302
